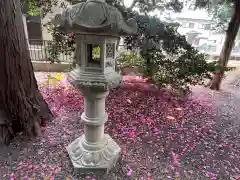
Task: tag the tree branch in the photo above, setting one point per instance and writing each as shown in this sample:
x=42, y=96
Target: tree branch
x=133, y=4
x=153, y=3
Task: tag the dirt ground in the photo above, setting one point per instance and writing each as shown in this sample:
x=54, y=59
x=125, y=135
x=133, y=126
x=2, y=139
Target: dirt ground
x=193, y=140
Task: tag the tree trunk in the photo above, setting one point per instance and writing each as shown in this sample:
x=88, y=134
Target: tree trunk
x=22, y=107
x=231, y=34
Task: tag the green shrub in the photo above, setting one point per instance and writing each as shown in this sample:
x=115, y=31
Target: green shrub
x=130, y=59
x=96, y=52
x=169, y=59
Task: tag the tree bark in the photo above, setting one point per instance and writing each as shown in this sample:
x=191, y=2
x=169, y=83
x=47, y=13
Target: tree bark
x=22, y=107
x=231, y=34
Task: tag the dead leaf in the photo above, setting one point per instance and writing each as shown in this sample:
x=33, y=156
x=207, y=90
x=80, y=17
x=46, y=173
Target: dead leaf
x=129, y=101
x=68, y=178
x=47, y=178
x=170, y=117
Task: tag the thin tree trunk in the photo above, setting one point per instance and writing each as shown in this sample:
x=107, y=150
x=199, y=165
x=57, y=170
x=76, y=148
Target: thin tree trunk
x=22, y=107
x=231, y=34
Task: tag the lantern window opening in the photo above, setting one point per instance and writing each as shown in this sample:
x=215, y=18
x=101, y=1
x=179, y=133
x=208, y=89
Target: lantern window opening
x=94, y=56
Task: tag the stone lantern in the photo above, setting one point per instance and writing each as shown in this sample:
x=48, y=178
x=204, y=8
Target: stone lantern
x=98, y=27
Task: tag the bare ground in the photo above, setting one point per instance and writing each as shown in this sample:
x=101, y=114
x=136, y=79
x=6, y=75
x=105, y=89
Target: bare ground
x=160, y=137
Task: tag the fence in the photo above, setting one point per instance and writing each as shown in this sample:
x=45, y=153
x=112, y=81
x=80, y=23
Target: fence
x=39, y=52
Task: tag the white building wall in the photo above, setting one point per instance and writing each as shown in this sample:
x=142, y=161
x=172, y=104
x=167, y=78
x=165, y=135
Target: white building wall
x=199, y=17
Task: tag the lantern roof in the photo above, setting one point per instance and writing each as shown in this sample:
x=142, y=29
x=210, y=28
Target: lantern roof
x=95, y=17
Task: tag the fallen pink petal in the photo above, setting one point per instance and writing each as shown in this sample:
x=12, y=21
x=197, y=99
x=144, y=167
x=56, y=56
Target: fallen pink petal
x=129, y=173
x=157, y=133
x=132, y=134
x=237, y=177
x=176, y=160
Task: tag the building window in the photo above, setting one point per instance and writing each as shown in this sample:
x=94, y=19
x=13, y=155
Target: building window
x=191, y=25
x=201, y=26
x=204, y=26
x=196, y=42
x=192, y=6
x=207, y=26
x=187, y=25
x=34, y=30
x=184, y=25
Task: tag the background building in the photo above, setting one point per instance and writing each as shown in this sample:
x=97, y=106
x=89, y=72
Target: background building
x=196, y=25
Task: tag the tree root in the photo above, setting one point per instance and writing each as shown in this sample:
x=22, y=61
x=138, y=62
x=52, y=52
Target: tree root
x=39, y=116
x=215, y=83
x=5, y=135
x=37, y=129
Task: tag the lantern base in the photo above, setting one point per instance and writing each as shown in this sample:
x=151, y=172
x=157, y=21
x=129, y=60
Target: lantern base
x=96, y=158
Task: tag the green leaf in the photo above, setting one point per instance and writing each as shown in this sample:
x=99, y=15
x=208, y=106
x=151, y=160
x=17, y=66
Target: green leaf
x=61, y=174
x=33, y=8
x=221, y=68
x=12, y=168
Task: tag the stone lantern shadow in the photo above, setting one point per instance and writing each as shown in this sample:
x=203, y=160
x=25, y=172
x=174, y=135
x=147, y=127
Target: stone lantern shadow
x=98, y=28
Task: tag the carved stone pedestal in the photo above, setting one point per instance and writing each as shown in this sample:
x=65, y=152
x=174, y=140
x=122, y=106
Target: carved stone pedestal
x=94, y=151
x=98, y=158
x=98, y=27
